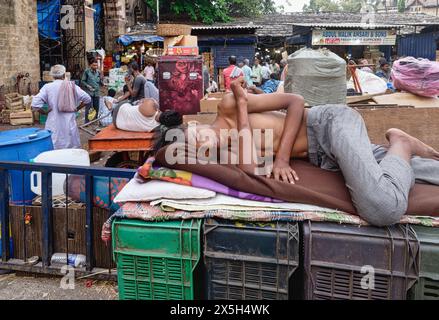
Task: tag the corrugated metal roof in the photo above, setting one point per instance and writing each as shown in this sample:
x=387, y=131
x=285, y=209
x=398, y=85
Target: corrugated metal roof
x=348, y=25
x=221, y=27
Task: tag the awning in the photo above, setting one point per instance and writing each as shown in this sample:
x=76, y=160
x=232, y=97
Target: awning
x=127, y=39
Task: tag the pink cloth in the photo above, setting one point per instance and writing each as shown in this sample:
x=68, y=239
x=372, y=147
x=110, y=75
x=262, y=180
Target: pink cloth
x=67, y=97
x=418, y=76
x=231, y=73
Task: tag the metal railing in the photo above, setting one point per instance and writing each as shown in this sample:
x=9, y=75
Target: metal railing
x=47, y=170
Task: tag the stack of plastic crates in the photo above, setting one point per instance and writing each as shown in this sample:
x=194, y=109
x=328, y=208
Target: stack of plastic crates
x=156, y=260
x=427, y=288
x=250, y=260
x=351, y=262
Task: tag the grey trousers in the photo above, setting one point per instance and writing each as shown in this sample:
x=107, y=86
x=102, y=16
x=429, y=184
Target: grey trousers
x=379, y=183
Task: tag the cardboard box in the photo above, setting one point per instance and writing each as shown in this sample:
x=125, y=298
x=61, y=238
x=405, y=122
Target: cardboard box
x=183, y=51
x=209, y=105
x=217, y=95
x=181, y=45
x=181, y=41
x=202, y=118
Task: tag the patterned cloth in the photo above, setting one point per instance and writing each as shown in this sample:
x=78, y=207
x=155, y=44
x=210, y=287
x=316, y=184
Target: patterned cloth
x=143, y=211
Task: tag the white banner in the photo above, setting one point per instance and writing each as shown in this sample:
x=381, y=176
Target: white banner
x=353, y=37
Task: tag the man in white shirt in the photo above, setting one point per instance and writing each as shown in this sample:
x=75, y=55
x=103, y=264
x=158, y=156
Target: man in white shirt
x=65, y=133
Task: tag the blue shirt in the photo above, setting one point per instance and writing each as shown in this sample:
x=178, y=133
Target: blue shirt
x=270, y=86
x=247, y=74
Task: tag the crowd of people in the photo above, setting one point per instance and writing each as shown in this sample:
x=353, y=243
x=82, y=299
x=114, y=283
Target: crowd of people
x=264, y=76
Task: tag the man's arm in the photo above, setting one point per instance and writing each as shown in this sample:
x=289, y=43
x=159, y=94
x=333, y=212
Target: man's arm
x=246, y=148
x=39, y=101
x=295, y=106
x=83, y=98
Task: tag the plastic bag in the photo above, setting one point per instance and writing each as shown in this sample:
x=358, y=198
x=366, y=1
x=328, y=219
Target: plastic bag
x=418, y=76
x=369, y=82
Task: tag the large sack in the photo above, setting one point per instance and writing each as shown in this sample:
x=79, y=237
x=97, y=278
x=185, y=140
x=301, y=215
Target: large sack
x=418, y=76
x=317, y=75
x=369, y=83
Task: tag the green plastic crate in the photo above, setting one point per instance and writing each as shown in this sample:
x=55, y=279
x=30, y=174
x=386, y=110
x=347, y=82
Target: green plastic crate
x=427, y=287
x=156, y=260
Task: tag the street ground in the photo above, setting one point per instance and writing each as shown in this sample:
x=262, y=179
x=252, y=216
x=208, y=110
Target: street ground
x=21, y=287
x=14, y=287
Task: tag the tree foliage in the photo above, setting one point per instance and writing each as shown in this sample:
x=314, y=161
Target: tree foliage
x=401, y=6
x=210, y=11
x=353, y=6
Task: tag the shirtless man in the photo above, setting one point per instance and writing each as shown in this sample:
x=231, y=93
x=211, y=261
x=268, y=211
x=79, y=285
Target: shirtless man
x=333, y=137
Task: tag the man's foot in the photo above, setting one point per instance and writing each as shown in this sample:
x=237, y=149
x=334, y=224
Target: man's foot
x=419, y=148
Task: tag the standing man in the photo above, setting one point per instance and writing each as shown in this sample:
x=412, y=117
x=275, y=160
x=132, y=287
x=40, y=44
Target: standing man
x=91, y=82
x=257, y=72
x=65, y=134
x=137, y=88
x=231, y=73
x=206, y=77
x=149, y=72
x=384, y=71
x=247, y=72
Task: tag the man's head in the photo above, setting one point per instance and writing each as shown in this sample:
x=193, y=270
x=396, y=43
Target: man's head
x=385, y=66
x=112, y=93
x=93, y=63
x=232, y=60
x=241, y=64
x=257, y=61
x=135, y=68
x=58, y=72
x=246, y=62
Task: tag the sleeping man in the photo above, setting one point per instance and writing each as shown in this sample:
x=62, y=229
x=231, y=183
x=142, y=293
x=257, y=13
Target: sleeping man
x=143, y=117
x=333, y=137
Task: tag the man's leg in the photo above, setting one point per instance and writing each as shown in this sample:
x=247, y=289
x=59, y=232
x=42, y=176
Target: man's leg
x=425, y=170
x=379, y=191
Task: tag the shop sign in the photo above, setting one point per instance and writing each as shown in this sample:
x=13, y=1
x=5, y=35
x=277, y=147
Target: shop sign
x=353, y=37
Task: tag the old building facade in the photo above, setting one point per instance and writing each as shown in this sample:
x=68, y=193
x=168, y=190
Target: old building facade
x=19, y=51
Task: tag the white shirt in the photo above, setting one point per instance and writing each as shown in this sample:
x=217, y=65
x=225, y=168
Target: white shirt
x=129, y=118
x=65, y=134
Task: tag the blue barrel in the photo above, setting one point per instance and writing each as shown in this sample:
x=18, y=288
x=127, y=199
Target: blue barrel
x=23, y=145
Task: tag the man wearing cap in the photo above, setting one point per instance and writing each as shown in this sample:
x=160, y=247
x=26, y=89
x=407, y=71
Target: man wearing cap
x=65, y=134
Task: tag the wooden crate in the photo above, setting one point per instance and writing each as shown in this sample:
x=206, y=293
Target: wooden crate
x=21, y=118
x=28, y=238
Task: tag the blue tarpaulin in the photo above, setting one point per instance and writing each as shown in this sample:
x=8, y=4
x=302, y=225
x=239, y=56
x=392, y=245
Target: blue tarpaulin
x=49, y=18
x=128, y=39
x=99, y=11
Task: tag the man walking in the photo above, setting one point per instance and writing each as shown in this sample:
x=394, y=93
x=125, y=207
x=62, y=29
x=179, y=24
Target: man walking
x=62, y=124
x=257, y=72
x=91, y=82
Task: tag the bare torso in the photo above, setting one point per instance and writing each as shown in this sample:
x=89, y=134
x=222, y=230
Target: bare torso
x=227, y=119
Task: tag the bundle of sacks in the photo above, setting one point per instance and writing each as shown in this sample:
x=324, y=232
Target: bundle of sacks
x=418, y=76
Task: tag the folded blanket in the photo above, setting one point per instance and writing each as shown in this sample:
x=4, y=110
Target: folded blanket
x=223, y=202
x=316, y=186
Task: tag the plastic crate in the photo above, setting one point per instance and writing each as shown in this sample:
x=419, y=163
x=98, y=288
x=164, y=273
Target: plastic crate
x=338, y=260
x=156, y=260
x=427, y=288
x=250, y=260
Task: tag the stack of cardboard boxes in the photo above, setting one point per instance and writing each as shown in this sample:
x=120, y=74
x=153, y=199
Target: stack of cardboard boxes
x=208, y=107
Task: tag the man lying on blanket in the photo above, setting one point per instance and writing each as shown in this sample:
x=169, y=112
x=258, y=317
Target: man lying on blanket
x=333, y=137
